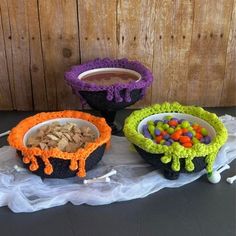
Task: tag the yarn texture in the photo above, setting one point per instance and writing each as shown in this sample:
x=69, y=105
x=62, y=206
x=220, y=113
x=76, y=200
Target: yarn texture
x=113, y=91
x=172, y=154
x=16, y=136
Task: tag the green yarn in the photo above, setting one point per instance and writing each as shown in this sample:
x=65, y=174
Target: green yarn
x=176, y=151
x=166, y=159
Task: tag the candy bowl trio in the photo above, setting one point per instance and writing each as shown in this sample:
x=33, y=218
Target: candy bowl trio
x=171, y=137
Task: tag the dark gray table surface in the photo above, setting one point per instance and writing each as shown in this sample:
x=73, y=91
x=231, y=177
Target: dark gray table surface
x=198, y=208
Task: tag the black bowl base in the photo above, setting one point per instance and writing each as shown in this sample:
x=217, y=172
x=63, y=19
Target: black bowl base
x=170, y=174
x=155, y=161
x=98, y=100
x=61, y=168
x=110, y=119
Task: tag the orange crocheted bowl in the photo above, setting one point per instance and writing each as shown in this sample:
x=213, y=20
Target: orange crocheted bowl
x=54, y=163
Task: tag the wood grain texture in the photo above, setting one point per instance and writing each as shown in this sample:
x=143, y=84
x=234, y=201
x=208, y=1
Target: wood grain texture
x=208, y=51
x=173, y=32
x=36, y=64
x=135, y=34
x=20, y=58
x=5, y=93
x=59, y=32
x=228, y=94
x=6, y=27
x=190, y=45
x=97, y=26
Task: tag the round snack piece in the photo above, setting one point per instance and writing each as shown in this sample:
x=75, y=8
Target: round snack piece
x=162, y=141
x=207, y=139
x=173, y=122
x=167, y=143
x=158, y=138
x=195, y=140
x=170, y=130
x=168, y=117
x=163, y=132
x=184, y=139
x=187, y=145
x=165, y=126
x=177, y=128
x=156, y=121
x=176, y=135
x=166, y=136
x=198, y=136
x=157, y=132
x=204, y=132
x=185, y=124
x=185, y=130
x=189, y=134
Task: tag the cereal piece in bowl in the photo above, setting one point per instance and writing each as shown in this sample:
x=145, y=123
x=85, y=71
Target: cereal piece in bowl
x=67, y=137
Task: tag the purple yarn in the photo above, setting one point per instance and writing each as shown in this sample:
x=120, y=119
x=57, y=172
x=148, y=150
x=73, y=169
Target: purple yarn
x=113, y=91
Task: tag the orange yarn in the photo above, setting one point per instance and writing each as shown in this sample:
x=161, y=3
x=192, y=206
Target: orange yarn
x=16, y=136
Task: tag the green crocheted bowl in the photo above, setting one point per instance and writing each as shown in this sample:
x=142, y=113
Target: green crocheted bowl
x=176, y=157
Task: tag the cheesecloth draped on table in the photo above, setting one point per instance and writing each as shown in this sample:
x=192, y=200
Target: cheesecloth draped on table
x=26, y=192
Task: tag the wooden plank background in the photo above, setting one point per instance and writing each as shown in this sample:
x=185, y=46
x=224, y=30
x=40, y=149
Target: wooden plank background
x=190, y=45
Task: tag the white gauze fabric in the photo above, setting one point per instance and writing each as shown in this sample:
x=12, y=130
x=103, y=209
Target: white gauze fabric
x=25, y=192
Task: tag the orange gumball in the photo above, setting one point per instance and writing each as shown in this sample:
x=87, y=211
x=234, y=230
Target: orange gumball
x=184, y=130
x=158, y=138
x=195, y=127
x=180, y=132
x=198, y=136
x=163, y=133
x=199, y=129
x=187, y=145
x=184, y=139
x=173, y=122
x=175, y=136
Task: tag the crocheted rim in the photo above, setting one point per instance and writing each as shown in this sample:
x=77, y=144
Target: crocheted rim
x=113, y=91
x=16, y=136
x=176, y=151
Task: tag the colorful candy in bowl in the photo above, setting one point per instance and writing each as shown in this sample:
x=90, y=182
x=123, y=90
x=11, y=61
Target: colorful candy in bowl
x=60, y=144
x=109, y=85
x=176, y=138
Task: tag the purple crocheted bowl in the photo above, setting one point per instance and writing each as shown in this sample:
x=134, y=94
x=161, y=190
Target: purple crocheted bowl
x=109, y=97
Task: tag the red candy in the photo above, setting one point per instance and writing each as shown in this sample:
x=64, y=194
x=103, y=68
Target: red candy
x=180, y=132
x=175, y=136
x=173, y=122
x=185, y=130
x=198, y=136
x=187, y=145
x=163, y=133
x=184, y=139
x=158, y=138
